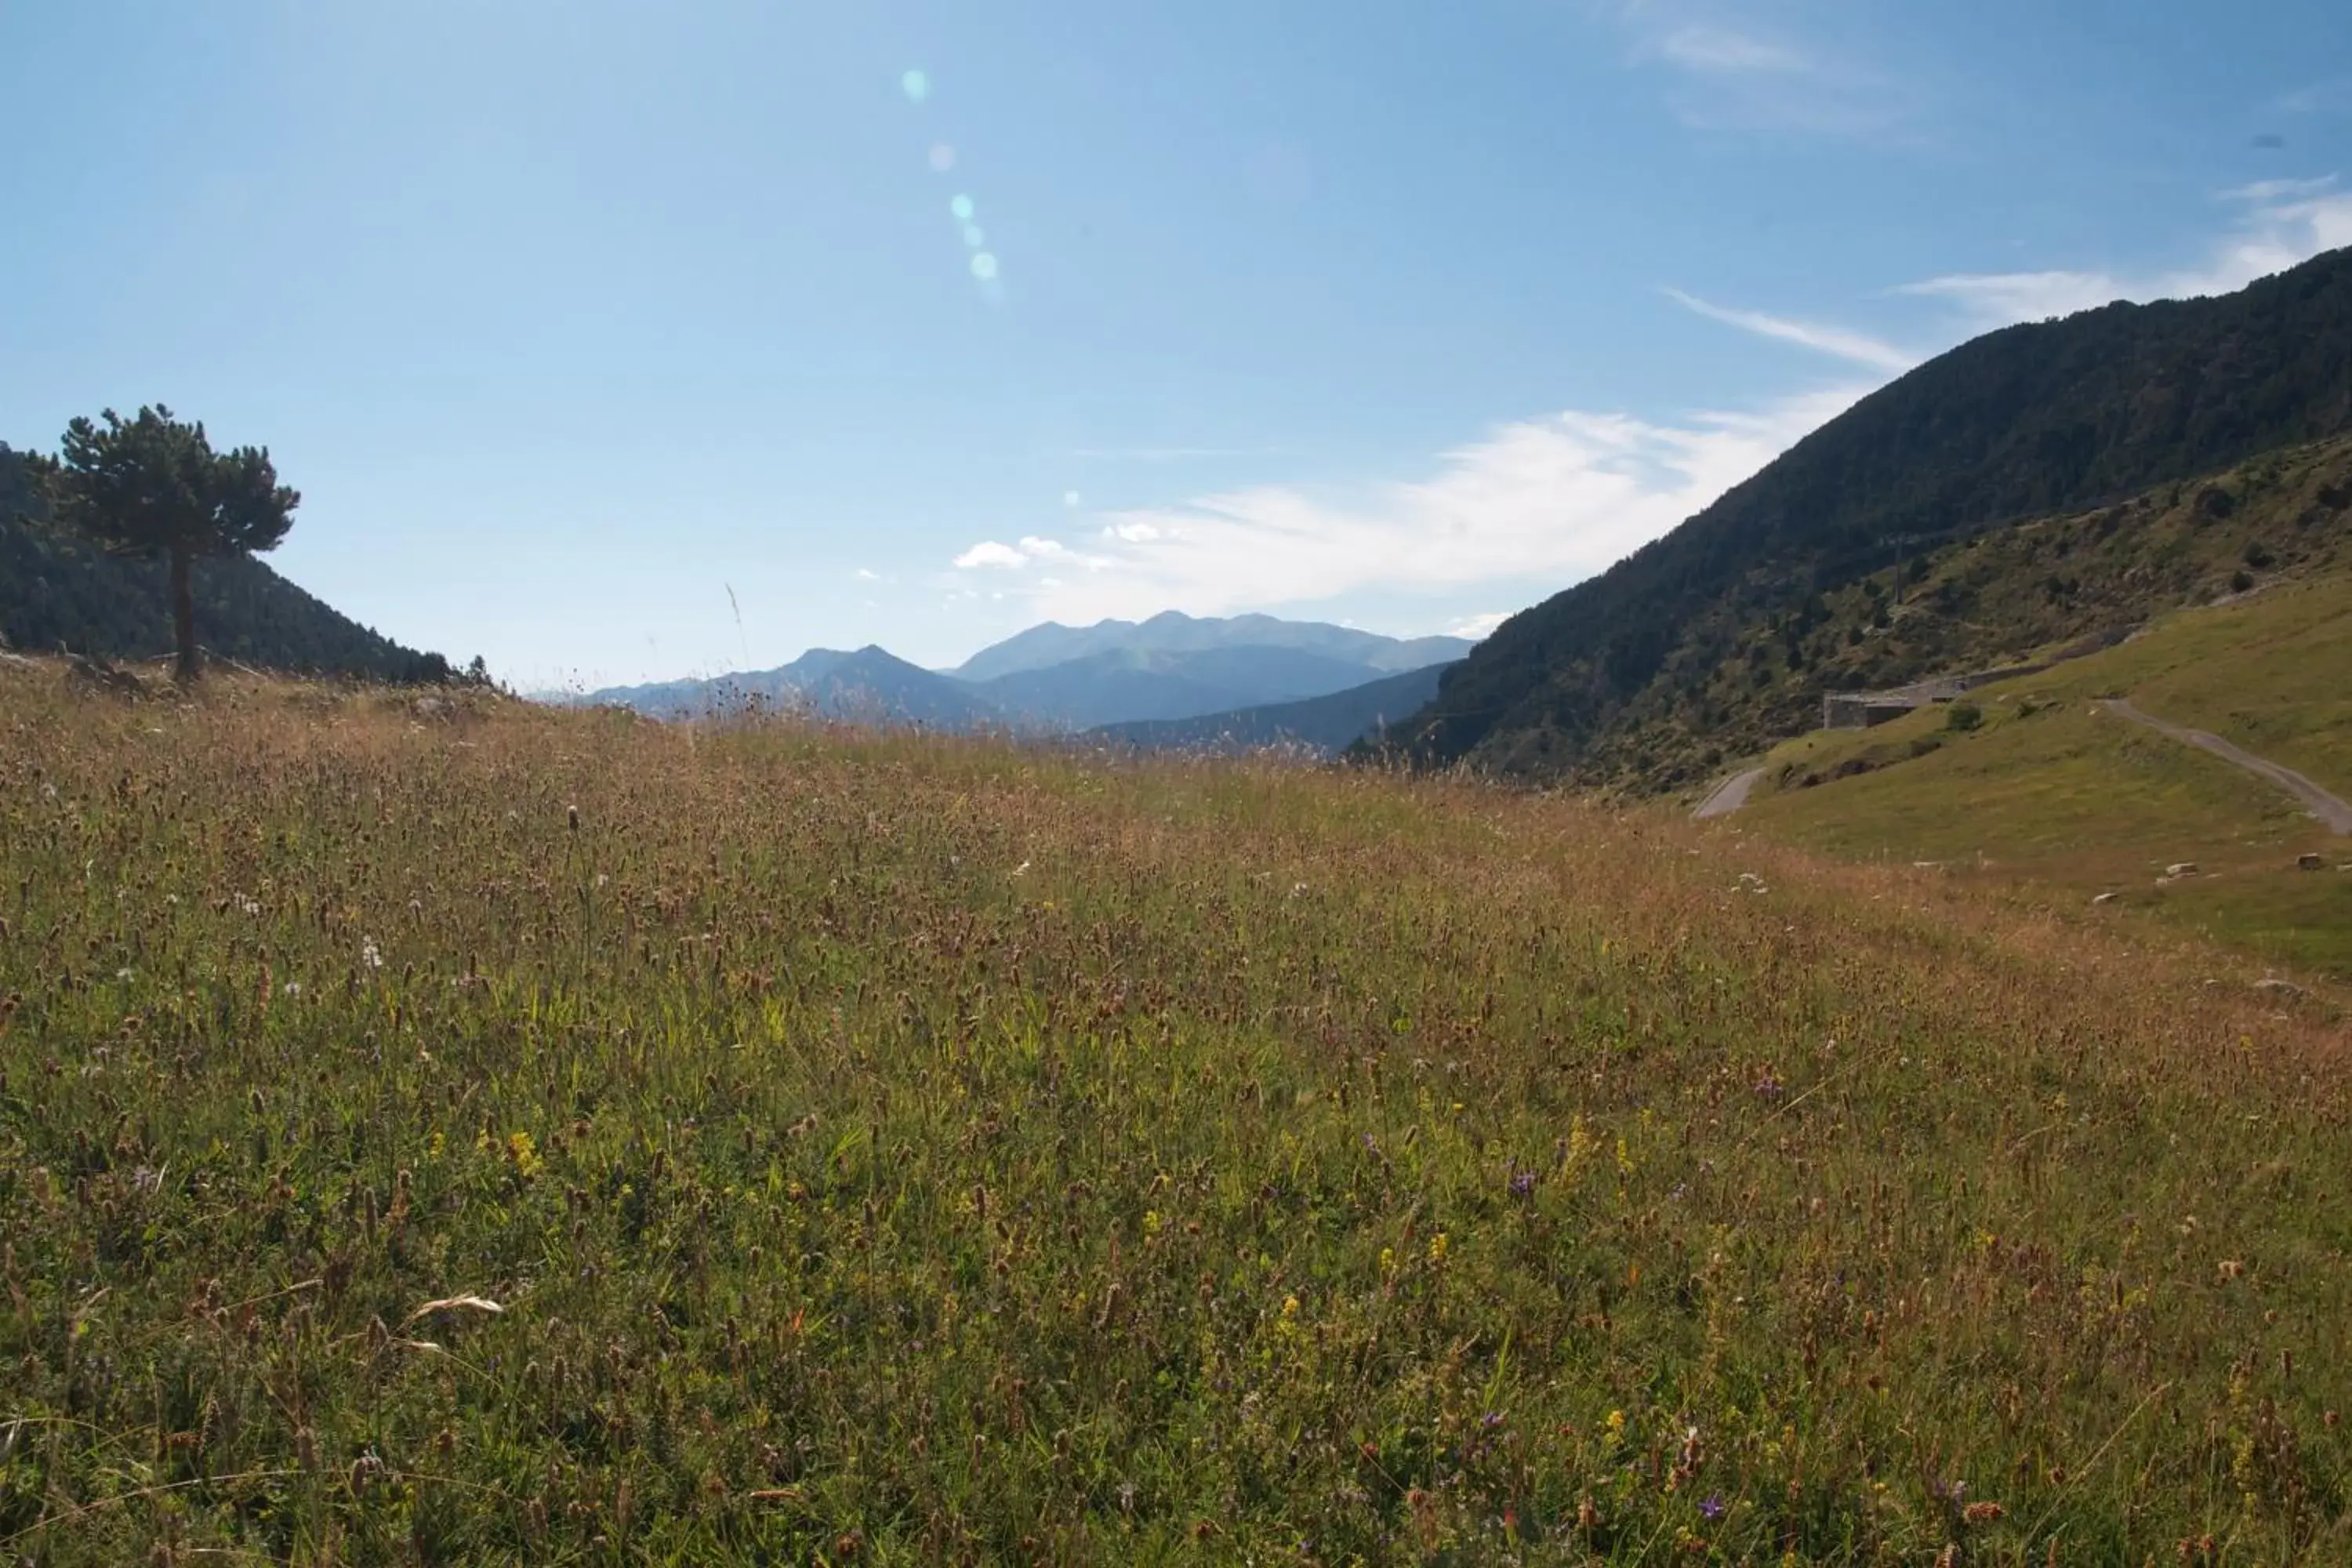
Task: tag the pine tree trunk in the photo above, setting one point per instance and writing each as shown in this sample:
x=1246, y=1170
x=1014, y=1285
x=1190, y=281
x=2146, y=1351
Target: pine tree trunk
x=183, y=615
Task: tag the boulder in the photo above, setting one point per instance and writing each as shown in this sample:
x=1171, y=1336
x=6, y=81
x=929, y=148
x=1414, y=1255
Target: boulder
x=2309, y=863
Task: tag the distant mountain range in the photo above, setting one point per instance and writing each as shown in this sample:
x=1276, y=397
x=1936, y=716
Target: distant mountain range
x=1172, y=631
x=1056, y=679
x=1323, y=725
x=869, y=686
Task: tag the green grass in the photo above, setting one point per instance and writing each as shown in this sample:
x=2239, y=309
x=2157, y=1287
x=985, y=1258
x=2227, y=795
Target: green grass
x=907, y=1151
x=2076, y=802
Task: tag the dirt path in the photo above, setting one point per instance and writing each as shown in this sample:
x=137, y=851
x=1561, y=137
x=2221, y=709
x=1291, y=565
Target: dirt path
x=1729, y=796
x=2330, y=809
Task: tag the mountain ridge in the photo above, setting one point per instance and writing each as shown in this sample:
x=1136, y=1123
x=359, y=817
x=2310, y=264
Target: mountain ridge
x=1172, y=631
x=1170, y=667
x=2031, y=420
x=1324, y=725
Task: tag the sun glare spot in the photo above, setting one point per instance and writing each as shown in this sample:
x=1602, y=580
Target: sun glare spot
x=1070, y=498
x=961, y=207
x=974, y=237
x=916, y=85
x=983, y=267
x=942, y=158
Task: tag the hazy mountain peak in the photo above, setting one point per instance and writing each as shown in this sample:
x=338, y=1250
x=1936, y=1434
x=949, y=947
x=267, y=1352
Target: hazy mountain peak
x=1174, y=631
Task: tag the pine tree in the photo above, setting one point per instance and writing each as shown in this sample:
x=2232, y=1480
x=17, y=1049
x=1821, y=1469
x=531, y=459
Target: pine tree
x=153, y=486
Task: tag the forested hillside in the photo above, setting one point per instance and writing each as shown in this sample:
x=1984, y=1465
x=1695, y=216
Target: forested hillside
x=2047, y=587
x=2034, y=420
x=58, y=592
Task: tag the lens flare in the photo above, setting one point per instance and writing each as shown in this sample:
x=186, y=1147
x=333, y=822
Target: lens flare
x=983, y=267
x=974, y=237
x=942, y=158
x=916, y=85
x=962, y=208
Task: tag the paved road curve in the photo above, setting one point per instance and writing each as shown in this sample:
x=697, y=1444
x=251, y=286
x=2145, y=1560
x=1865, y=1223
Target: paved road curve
x=1729, y=796
x=2330, y=809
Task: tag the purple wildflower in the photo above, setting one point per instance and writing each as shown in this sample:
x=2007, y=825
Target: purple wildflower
x=1712, y=1508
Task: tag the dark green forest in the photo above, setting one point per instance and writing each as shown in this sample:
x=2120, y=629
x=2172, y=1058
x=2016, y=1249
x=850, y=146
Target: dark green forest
x=2033, y=420
x=58, y=592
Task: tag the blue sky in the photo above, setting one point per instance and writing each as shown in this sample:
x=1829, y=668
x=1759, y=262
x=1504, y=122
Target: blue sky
x=570, y=316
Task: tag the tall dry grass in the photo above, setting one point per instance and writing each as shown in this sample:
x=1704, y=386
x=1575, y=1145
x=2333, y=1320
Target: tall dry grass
x=539, y=1136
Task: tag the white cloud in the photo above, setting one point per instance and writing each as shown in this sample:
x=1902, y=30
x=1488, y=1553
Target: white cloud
x=1477, y=627
x=989, y=552
x=992, y=554
x=1745, y=75
x=2286, y=222
x=1531, y=507
x=867, y=575
x=1713, y=50
x=1837, y=340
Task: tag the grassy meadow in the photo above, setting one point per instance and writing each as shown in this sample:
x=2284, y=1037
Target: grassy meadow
x=2052, y=792
x=523, y=1136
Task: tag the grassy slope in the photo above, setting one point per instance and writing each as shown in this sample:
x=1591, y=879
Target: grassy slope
x=2054, y=792
x=917, y=1150
x=2004, y=598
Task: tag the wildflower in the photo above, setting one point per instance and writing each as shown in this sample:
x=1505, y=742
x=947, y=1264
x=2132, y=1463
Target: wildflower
x=1523, y=1184
x=1290, y=1306
x=1767, y=1084
x=1712, y=1508
x=1388, y=1260
x=1438, y=1246
x=1982, y=1512
x=369, y=955
x=524, y=1153
x=1616, y=1423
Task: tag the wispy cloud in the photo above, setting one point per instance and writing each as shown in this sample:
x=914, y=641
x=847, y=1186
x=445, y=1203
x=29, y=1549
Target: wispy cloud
x=1174, y=454
x=1724, y=74
x=1479, y=628
x=1856, y=347
x=1713, y=50
x=2273, y=193
x=2333, y=94
x=1532, y=506
x=2285, y=222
